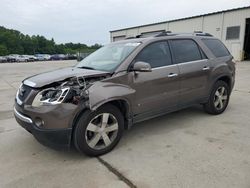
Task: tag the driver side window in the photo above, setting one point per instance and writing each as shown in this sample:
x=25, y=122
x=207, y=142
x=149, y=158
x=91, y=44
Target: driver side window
x=156, y=54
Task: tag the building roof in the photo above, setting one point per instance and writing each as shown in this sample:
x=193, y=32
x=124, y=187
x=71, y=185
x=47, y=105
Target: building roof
x=208, y=14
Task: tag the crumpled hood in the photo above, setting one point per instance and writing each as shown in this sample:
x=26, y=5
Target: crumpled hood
x=46, y=78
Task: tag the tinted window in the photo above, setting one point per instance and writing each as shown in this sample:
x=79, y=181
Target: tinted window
x=156, y=54
x=185, y=50
x=216, y=47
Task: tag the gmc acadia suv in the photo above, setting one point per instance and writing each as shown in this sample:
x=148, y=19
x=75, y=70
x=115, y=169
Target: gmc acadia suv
x=90, y=104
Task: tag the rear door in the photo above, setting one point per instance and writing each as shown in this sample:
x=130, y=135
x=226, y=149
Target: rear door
x=158, y=90
x=194, y=70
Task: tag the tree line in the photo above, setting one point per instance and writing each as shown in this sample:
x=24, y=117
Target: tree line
x=14, y=42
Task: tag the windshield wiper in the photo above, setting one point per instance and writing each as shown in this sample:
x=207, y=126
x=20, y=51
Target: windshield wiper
x=85, y=67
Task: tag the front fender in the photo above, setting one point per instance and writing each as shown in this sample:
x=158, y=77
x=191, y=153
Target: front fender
x=103, y=92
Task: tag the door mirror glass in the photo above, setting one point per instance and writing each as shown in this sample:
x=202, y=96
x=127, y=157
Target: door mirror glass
x=141, y=66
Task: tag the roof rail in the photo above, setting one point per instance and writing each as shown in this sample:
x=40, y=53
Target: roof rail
x=134, y=37
x=200, y=33
x=164, y=33
x=169, y=33
x=195, y=33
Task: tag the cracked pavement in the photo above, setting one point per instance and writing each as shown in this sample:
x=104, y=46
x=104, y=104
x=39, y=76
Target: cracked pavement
x=188, y=148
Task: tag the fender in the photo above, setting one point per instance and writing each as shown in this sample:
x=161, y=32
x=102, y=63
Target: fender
x=103, y=92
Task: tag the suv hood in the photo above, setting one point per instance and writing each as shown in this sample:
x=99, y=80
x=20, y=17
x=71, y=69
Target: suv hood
x=47, y=78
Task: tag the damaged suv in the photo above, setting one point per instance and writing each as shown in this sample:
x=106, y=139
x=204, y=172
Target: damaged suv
x=89, y=105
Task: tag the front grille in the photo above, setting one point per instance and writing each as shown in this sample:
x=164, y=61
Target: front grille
x=23, y=92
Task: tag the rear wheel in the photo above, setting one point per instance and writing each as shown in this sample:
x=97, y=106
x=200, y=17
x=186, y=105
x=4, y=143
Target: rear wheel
x=98, y=132
x=218, y=99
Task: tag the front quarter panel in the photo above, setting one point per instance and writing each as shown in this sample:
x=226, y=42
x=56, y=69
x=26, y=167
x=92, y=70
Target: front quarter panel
x=103, y=92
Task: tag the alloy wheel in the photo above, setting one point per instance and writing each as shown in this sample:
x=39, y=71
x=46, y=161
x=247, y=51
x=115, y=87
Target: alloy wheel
x=101, y=131
x=220, y=98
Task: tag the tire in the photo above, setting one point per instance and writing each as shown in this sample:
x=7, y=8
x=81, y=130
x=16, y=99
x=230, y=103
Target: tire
x=218, y=99
x=93, y=126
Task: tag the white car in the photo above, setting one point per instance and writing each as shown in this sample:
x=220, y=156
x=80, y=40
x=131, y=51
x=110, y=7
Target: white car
x=30, y=58
x=21, y=58
x=3, y=59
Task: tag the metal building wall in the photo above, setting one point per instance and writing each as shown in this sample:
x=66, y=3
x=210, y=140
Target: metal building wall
x=216, y=24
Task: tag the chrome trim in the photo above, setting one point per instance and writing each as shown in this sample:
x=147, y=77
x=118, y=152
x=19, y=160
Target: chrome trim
x=175, y=64
x=18, y=100
x=29, y=83
x=22, y=117
x=165, y=66
x=196, y=61
x=172, y=75
x=205, y=68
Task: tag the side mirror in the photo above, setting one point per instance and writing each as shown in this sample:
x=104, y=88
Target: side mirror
x=141, y=67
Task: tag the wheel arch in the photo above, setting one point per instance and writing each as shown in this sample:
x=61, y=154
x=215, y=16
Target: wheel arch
x=227, y=79
x=123, y=105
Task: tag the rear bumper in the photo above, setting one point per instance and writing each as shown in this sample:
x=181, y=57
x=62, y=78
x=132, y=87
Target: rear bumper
x=54, y=138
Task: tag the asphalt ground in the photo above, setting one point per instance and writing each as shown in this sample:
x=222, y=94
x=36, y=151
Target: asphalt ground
x=188, y=148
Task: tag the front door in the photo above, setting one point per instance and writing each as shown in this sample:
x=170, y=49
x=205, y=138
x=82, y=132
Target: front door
x=158, y=90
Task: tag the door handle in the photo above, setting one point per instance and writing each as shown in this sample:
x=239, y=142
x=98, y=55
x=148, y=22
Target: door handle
x=171, y=75
x=205, y=68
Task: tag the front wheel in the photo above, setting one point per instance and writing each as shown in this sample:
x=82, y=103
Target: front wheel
x=218, y=99
x=98, y=132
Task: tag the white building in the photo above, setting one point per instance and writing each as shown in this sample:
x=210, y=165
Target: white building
x=232, y=27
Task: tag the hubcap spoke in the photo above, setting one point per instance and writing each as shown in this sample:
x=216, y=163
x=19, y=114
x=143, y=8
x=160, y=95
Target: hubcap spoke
x=106, y=139
x=216, y=103
x=217, y=93
x=93, y=128
x=111, y=128
x=105, y=118
x=221, y=104
x=95, y=140
x=222, y=91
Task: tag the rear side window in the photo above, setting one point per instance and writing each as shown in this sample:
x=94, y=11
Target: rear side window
x=185, y=50
x=156, y=54
x=216, y=47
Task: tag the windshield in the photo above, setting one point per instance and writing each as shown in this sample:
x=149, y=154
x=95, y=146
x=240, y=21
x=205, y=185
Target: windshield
x=108, y=57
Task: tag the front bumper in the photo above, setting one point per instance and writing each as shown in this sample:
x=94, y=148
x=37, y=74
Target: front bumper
x=55, y=138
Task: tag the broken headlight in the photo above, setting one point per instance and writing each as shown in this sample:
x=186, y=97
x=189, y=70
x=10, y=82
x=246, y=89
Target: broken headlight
x=50, y=96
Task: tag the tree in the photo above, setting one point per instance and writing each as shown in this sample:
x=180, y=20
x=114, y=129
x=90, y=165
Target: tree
x=3, y=50
x=14, y=42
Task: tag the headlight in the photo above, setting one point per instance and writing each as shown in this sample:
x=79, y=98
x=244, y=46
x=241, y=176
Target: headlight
x=50, y=96
x=17, y=93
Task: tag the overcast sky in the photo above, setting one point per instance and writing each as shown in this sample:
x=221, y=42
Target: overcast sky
x=89, y=21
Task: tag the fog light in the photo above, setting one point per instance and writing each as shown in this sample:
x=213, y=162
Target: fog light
x=39, y=122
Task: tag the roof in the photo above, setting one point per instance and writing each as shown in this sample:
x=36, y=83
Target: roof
x=208, y=14
x=165, y=36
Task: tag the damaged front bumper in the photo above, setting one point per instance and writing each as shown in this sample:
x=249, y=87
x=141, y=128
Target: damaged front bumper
x=57, y=138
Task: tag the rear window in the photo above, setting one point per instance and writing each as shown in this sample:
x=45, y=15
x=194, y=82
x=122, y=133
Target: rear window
x=216, y=47
x=185, y=50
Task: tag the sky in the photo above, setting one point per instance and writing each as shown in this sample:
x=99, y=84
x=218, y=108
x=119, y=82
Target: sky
x=89, y=21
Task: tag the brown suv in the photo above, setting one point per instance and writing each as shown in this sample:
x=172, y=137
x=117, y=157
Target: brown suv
x=90, y=104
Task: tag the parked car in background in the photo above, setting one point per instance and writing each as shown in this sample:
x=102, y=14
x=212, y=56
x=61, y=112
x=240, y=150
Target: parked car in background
x=21, y=58
x=71, y=56
x=3, y=59
x=11, y=58
x=42, y=57
x=58, y=57
x=30, y=58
